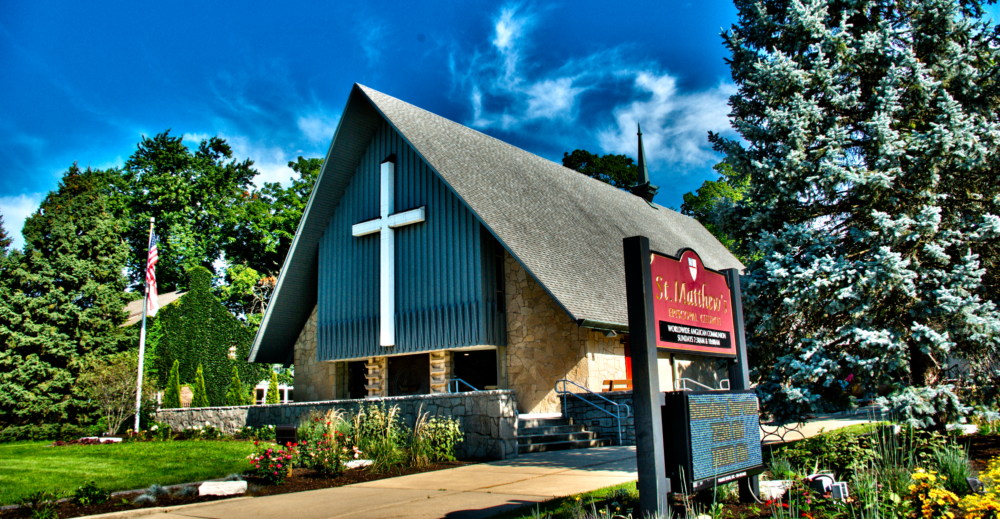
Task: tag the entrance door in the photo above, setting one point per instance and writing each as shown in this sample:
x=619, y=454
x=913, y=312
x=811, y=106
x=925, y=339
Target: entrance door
x=410, y=375
x=356, y=379
x=478, y=368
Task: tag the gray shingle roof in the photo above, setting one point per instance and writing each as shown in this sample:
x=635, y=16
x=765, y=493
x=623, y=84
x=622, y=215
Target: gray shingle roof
x=564, y=227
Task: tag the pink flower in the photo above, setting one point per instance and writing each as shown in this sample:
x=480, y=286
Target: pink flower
x=849, y=378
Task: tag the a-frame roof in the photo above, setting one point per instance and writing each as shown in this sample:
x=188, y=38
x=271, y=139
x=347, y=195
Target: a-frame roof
x=564, y=227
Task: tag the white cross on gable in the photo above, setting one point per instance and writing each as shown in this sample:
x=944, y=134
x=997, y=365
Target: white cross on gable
x=384, y=225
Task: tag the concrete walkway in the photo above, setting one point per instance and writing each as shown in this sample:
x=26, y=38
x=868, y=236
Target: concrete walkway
x=471, y=491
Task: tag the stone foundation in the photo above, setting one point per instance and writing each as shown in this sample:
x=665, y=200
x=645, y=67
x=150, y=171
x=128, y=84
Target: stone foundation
x=545, y=345
x=599, y=422
x=488, y=418
x=314, y=379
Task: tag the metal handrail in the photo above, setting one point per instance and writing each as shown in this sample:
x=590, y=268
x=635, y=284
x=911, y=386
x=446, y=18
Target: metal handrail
x=456, y=381
x=616, y=415
x=682, y=382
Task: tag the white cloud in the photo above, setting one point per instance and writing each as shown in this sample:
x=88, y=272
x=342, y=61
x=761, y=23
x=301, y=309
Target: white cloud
x=17, y=209
x=505, y=92
x=271, y=162
x=318, y=127
x=674, y=124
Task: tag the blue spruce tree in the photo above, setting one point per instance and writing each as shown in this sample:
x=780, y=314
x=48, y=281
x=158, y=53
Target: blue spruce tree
x=869, y=143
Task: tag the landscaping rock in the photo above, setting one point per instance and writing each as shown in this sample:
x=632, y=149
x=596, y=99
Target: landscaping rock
x=107, y=439
x=965, y=428
x=222, y=488
x=774, y=489
x=357, y=464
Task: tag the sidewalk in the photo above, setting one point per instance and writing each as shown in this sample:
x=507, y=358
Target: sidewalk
x=472, y=491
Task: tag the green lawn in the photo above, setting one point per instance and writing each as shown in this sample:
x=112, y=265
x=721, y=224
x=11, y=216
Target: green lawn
x=565, y=507
x=27, y=467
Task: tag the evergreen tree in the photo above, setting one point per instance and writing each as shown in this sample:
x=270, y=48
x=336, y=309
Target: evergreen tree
x=272, y=389
x=871, y=130
x=63, y=299
x=5, y=239
x=200, y=397
x=172, y=391
x=234, y=395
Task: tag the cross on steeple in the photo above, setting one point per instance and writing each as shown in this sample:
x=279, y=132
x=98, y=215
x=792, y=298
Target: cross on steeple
x=384, y=225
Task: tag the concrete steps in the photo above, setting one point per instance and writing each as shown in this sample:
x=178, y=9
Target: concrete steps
x=553, y=434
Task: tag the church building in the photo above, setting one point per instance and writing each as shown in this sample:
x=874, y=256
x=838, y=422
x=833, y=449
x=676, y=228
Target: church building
x=433, y=258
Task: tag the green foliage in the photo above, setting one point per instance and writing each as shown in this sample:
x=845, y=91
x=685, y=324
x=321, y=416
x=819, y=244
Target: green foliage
x=381, y=436
x=617, y=170
x=235, y=394
x=953, y=466
x=712, y=204
x=265, y=221
x=110, y=383
x=42, y=504
x=172, y=391
x=198, y=329
x=200, y=397
x=90, y=494
x=36, y=466
x=5, y=240
x=434, y=440
x=61, y=299
x=872, y=215
x=194, y=197
x=272, y=389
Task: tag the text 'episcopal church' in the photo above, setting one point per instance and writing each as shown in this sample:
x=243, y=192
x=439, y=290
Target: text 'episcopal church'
x=430, y=252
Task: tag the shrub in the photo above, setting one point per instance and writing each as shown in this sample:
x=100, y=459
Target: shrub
x=434, y=440
x=110, y=383
x=272, y=389
x=42, y=504
x=200, y=396
x=953, y=465
x=172, y=393
x=90, y=494
x=929, y=498
x=986, y=506
x=780, y=468
x=234, y=395
x=271, y=463
x=380, y=435
x=160, y=431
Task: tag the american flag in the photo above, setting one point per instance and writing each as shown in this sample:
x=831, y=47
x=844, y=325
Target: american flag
x=152, y=303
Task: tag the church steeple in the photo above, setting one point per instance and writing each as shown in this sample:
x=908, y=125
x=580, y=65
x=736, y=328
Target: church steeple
x=643, y=188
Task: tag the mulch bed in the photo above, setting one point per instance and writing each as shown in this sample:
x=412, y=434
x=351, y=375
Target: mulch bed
x=982, y=449
x=301, y=479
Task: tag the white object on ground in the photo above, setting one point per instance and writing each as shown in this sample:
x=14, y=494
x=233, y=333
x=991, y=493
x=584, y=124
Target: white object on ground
x=839, y=491
x=774, y=489
x=222, y=488
x=966, y=428
x=357, y=464
x=106, y=439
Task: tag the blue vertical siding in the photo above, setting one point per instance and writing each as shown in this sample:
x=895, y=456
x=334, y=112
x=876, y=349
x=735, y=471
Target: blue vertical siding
x=445, y=267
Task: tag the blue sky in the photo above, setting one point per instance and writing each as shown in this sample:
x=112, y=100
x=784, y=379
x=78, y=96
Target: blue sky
x=83, y=81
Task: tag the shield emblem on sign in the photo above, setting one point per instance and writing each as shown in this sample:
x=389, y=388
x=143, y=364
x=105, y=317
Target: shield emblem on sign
x=693, y=268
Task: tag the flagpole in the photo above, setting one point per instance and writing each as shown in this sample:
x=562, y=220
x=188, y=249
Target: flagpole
x=142, y=332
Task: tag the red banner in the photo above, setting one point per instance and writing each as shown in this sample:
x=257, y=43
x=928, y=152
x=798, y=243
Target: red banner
x=692, y=305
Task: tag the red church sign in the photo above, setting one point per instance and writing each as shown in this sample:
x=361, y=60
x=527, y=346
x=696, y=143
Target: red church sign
x=692, y=306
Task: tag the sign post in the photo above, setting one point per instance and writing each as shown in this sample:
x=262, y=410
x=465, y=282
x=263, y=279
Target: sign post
x=679, y=305
x=647, y=400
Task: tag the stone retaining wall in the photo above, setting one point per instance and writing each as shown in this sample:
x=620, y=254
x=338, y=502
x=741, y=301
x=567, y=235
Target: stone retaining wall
x=488, y=418
x=604, y=425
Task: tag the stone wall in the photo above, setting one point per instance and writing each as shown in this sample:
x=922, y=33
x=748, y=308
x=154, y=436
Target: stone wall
x=488, y=418
x=545, y=345
x=597, y=421
x=314, y=379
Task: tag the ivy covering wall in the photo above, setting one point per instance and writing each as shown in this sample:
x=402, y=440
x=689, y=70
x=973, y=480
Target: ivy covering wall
x=198, y=329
